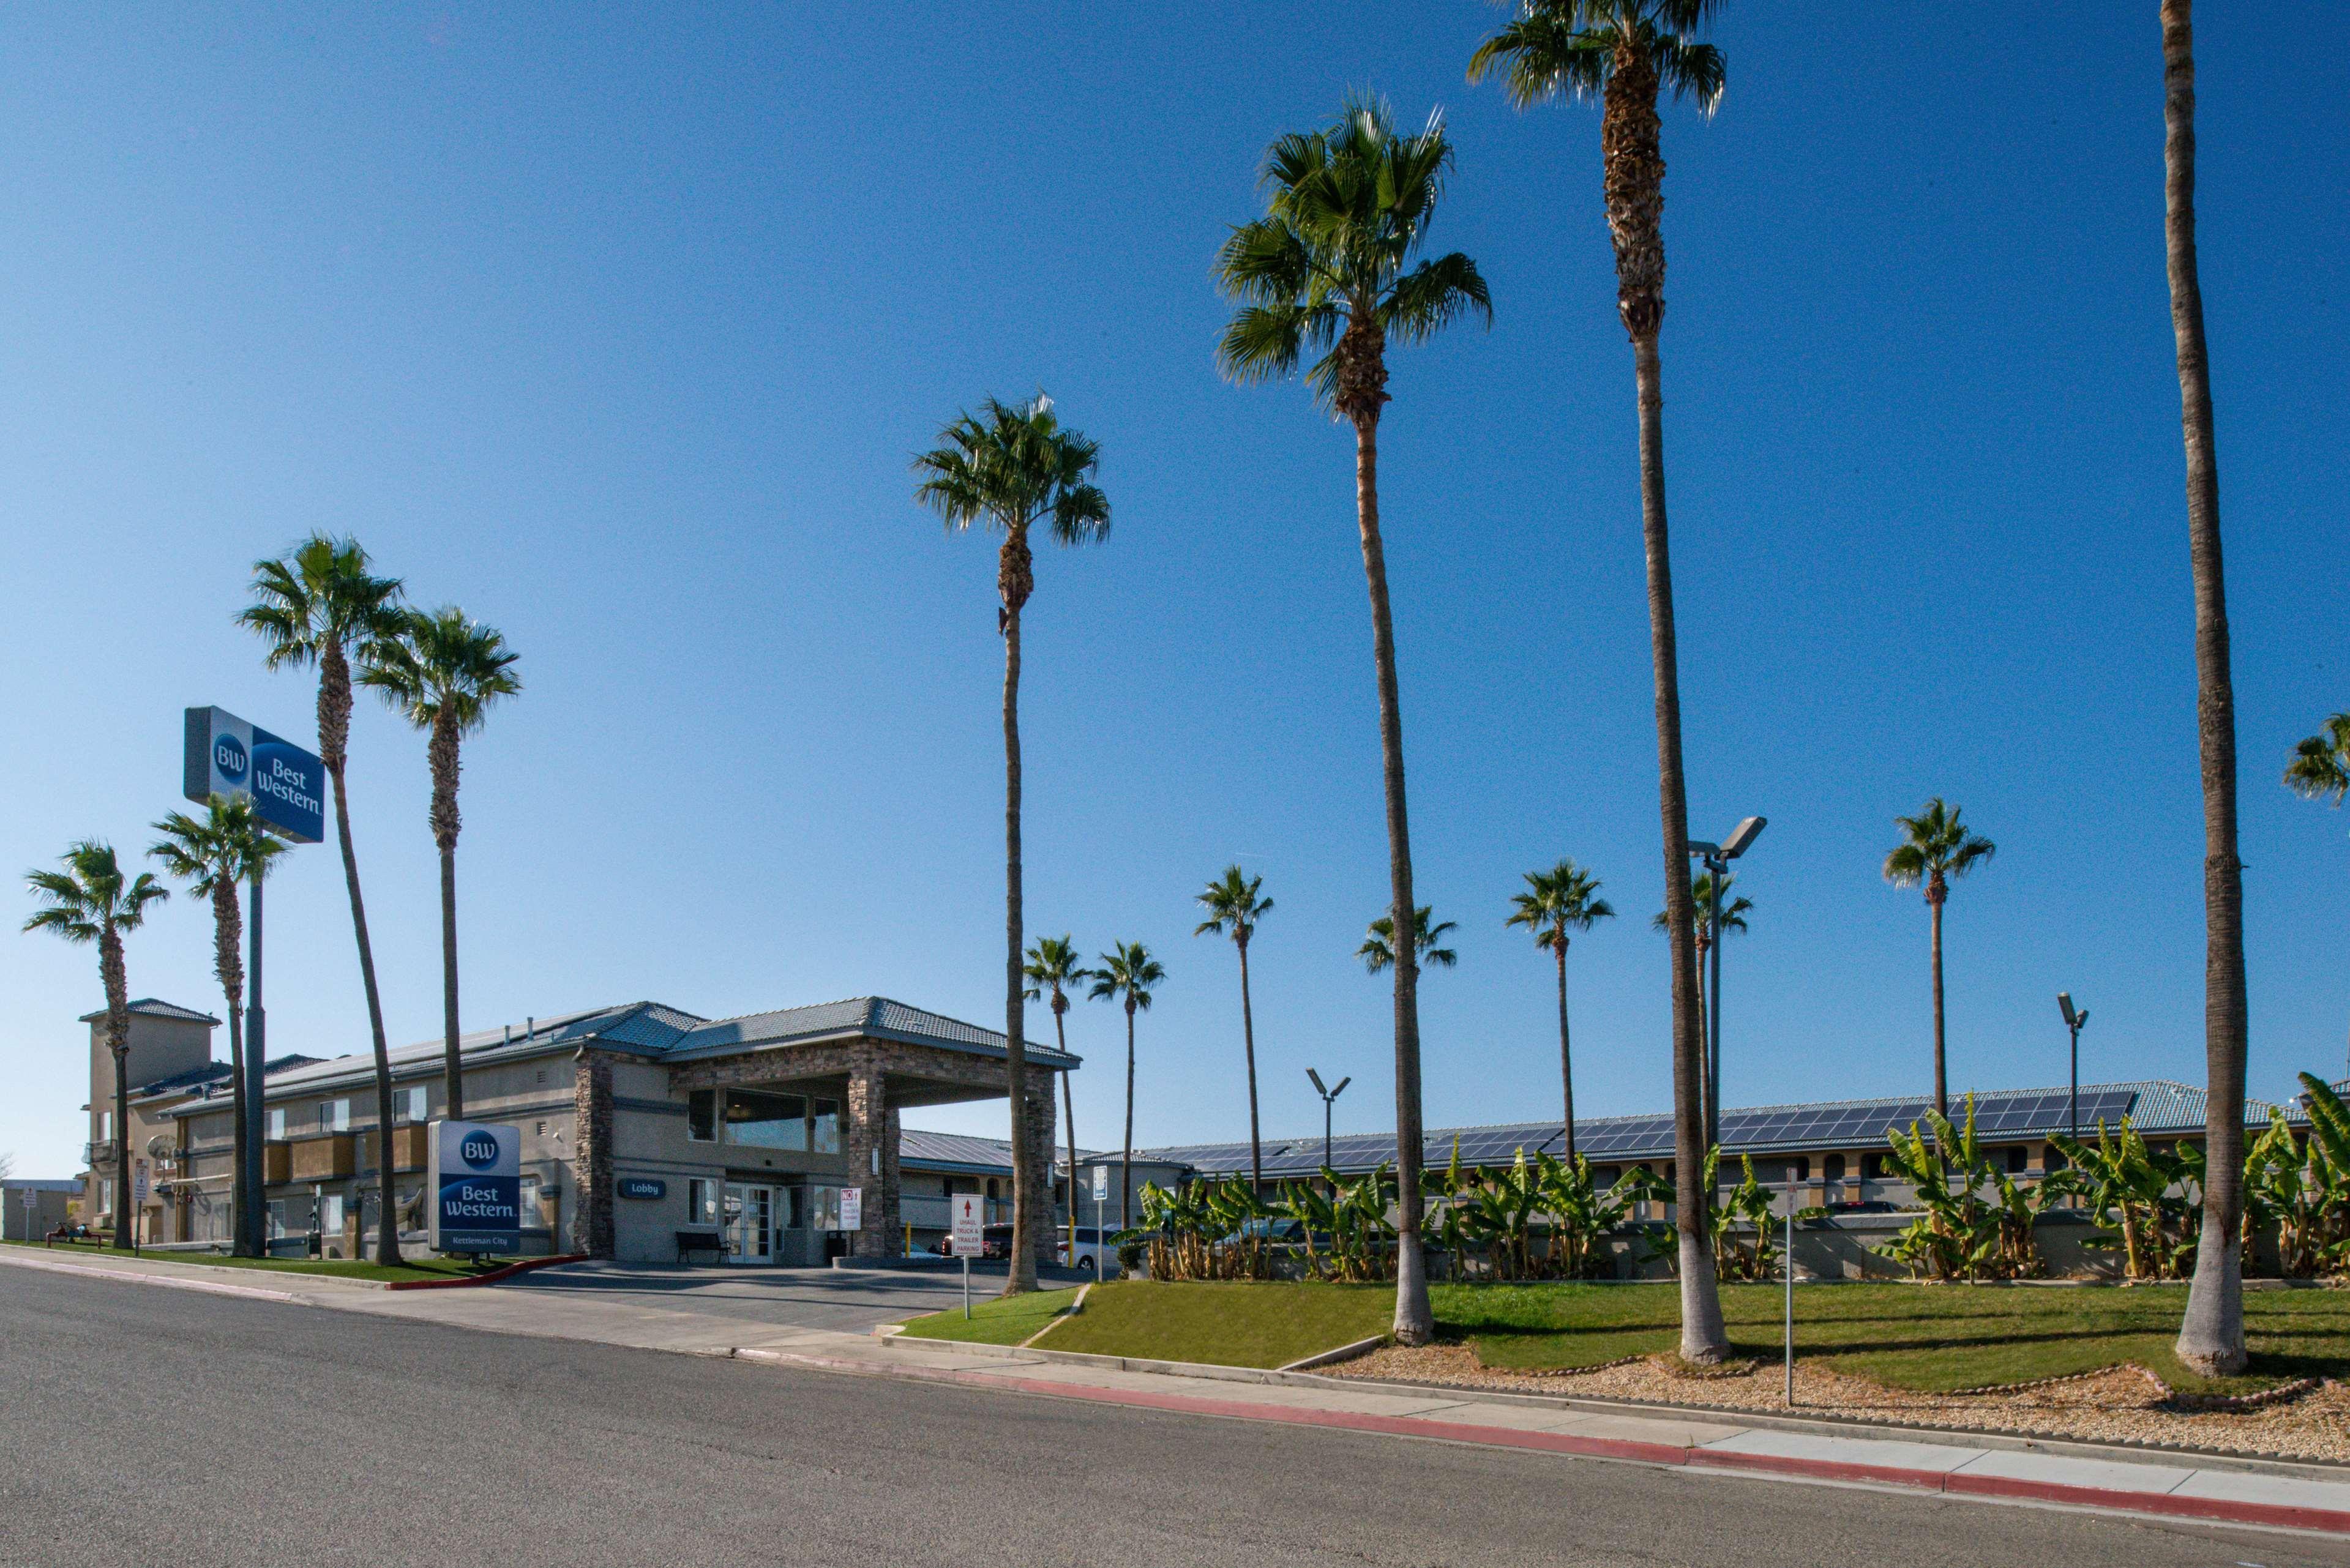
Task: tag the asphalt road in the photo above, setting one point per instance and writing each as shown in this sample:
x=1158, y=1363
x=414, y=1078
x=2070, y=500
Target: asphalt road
x=142, y=1426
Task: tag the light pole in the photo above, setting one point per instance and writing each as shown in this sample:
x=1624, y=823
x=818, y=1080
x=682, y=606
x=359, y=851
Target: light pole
x=2073, y=1021
x=1717, y=858
x=1327, y=1095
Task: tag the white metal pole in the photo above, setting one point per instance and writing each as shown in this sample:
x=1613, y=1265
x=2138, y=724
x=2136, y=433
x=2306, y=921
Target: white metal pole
x=966, y=1287
x=1790, y=1267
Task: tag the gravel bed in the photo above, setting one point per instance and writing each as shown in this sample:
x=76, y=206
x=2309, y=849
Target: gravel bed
x=2119, y=1405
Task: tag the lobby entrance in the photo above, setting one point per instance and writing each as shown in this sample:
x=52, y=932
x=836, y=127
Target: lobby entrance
x=749, y=1220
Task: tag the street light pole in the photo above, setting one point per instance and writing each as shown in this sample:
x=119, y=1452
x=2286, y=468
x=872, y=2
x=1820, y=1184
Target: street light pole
x=1327, y=1097
x=2073, y=1021
x=1717, y=858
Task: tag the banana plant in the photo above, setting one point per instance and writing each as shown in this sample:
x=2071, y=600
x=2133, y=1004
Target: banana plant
x=1979, y=1221
x=2151, y=1203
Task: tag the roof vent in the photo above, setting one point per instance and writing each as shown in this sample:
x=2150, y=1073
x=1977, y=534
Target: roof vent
x=530, y=1026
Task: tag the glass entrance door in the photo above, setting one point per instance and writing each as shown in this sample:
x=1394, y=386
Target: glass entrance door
x=750, y=1222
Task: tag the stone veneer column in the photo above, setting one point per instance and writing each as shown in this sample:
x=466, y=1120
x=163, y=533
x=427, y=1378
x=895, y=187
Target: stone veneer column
x=869, y=1126
x=1040, y=1169
x=591, y=1169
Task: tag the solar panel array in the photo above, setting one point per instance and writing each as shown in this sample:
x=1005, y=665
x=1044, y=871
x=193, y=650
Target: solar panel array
x=1855, y=1124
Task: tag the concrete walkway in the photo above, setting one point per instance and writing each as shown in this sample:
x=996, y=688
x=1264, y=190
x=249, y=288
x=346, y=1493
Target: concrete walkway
x=2236, y=1491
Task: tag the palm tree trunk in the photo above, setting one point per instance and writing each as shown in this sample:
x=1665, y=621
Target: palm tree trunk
x=1566, y=1054
x=1414, y=1324
x=1020, y=1272
x=115, y=980
x=1941, y=1074
x=387, y=1242
x=444, y=759
x=1703, y=1340
x=2212, y=1337
x=1248, y=1047
x=227, y=934
x=1069, y=1116
x=1125, y=1161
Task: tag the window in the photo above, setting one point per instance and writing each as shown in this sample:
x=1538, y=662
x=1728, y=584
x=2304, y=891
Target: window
x=797, y=1219
x=105, y=1195
x=331, y=1212
x=408, y=1105
x=824, y=1208
x=531, y=1219
x=277, y=1218
x=1831, y=1169
x=1803, y=1171
x=766, y=1121
x=106, y=1127
x=701, y=1116
x=2052, y=1159
x=2015, y=1159
x=277, y=1123
x=826, y=1131
x=334, y=1115
x=701, y=1200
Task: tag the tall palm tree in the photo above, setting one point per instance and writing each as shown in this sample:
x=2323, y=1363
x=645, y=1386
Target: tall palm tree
x=1560, y=901
x=1936, y=848
x=1054, y=967
x=91, y=901
x=1733, y=918
x=1127, y=972
x=1328, y=268
x=214, y=854
x=442, y=672
x=1379, y=951
x=2211, y=1336
x=321, y=605
x=1233, y=908
x=1015, y=468
x=1624, y=53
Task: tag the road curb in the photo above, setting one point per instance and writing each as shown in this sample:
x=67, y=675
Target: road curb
x=1989, y=1488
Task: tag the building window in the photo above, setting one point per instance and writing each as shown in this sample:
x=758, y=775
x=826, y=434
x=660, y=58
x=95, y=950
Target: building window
x=277, y=1123
x=766, y=1121
x=277, y=1218
x=825, y=1127
x=2015, y=1159
x=1831, y=1168
x=106, y=1127
x=334, y=1115
x=701, y=1116
x=105, y=1195
x=1804, y=1168
x=408, y=1105
x=701, y=1200
x=331, y=1212
x=2052, y=1157
x=531, y=1219
x=798, y=1208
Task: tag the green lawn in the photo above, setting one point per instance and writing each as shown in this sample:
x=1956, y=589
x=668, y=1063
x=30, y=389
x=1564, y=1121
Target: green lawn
x=1930, y=1338
x=996, y=1320
x=348, y=1269
x=1230, y=1325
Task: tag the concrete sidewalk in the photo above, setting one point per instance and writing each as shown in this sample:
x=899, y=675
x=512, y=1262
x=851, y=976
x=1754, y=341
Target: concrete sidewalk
x=2175, y=1486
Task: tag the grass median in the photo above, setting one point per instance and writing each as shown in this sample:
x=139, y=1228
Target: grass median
x=995, y=1320
x=1927, y=1338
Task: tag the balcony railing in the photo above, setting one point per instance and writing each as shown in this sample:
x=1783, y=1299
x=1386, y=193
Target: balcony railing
x=96, y=1154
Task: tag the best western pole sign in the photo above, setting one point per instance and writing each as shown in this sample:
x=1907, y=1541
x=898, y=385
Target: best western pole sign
x=474, y=1171
x=223, y=754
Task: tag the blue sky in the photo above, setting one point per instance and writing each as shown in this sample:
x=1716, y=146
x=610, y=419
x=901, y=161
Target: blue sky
x=620, y=331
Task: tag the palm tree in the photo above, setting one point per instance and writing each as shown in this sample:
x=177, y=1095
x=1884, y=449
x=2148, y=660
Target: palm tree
x=1235, y=908
x=1561, y=899
x=1624, y=53
x=320, y=606
x=1053, y=968
x=442, y=672
x=2211, y=1336
x=1014, y=470
x=1326, y=269
x=1377, y=951
x=1733, y=918
x=1934, y=848
x=2320, y=764
x=1127, y=972
x=214, y=856
x=91, y=901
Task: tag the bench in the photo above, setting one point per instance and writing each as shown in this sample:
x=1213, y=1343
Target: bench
x=691, y=1241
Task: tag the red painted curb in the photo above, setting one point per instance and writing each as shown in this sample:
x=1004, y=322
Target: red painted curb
x=493, y=1277
x=2214, y=1510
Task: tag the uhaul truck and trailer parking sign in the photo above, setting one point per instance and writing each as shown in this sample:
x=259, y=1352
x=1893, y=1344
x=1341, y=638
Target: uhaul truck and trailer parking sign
x=474, y=1174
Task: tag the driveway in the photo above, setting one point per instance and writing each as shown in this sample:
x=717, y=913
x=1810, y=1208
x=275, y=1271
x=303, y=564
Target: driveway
x=845, y=1299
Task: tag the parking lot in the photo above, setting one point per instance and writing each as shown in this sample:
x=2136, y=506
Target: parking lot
x=845, y=1299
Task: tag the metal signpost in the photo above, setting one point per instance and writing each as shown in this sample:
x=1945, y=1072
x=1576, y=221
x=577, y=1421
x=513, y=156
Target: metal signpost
x=137, y=1200
x=1790, y=1267
x=474, y=1171
x=223, y=754
x=969, y=1236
